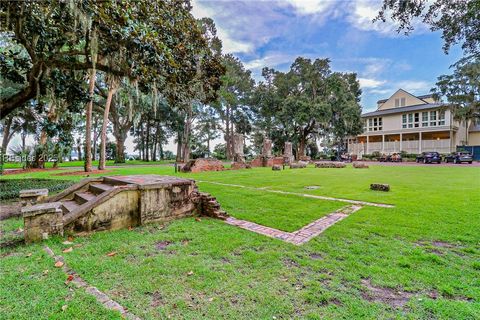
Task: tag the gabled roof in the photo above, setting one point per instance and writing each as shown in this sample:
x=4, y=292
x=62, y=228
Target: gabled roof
x=417, y=107
x=425, y=96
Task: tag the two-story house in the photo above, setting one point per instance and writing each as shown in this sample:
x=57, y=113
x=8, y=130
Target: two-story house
x=409, y=123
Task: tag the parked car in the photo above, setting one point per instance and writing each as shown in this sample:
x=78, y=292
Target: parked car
x=459, y=157
x=429, y=157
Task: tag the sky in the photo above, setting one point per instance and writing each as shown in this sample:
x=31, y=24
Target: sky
x=273, y=33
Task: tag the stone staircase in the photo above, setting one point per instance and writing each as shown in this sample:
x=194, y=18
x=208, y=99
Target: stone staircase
x=116, y=202
x=93, y=191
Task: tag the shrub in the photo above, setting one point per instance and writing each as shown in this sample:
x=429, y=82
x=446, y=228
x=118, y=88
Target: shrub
x=10, y=189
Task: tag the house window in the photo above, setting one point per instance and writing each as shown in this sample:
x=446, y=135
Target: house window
x=404, y=121
x=424, y=119
x=416, y=118
x=402, y=102
x=433, y=118
x=441, y=118
x=410, y=120
x=397, y=102
x=374, y=124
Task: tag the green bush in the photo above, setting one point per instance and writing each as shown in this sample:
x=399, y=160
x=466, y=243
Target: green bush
x=10, y=189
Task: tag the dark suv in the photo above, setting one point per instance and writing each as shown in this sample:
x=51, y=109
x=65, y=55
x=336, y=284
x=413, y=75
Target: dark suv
x=429, y=157
x=459, y=157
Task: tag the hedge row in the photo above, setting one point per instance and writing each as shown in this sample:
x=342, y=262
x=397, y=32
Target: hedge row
x=10, y=189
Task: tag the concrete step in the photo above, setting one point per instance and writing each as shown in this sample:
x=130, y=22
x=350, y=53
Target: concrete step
x=98, y=188
x=69, y=206
x=82, y=197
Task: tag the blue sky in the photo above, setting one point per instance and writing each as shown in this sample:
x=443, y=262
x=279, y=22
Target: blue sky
x=274, y=33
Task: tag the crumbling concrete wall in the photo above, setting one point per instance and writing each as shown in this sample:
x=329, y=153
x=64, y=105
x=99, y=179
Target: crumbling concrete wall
x=203, y=164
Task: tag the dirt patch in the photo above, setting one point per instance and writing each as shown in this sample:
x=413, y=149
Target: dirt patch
x=157, y=300
x=392, y=297
x=81, y=173
x=442, y=244
x=289, y=263
x=10, y=210
x=162, y=245
x=20, y=171
x=315, y=256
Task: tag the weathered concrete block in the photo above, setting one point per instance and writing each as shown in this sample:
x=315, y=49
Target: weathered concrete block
x=380, y=187
x=276, y=167
x=298, y=165
x=33, y=196
x=329, y=164
x=42, y=220
x=360, y=165
x=203, y=164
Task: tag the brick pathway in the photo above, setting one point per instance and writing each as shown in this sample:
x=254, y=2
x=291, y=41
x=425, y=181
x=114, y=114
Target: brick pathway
x=302, y=235
x=101, y=297
x=354, y=202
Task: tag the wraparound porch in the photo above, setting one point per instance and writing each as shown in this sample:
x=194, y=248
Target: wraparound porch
x=412, y=142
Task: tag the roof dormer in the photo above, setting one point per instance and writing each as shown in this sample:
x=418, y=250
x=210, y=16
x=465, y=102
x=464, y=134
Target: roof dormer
x=401, y=98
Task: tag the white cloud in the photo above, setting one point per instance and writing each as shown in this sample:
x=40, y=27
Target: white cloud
x=229, y=44
x=311, y=6
x=415, y=86
x=362, y=13
x=370, y=83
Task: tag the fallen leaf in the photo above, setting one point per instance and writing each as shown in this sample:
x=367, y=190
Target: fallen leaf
x=190, y=273
x=111, y=254
x=70, y=238
x=69, y=278
x=45, y=271
x=28, y=255
x=64, y=307
x=130, y=228
x=210, y=299
x=67, y=242
x=19, y=230
x=59, y=264
x=198, y=219
x=67, y=250
x=77, y=245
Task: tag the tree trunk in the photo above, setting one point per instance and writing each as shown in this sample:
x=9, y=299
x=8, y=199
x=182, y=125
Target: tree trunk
x=154, y=151
x=95, y=139
x=103, y=136
x=301, y=147
x=88, y=125
x=147, y=143
x=24, y=137
x=120, y=155
x=179, y=148
x=6, y=134
x=79, y=151
x=227, y=134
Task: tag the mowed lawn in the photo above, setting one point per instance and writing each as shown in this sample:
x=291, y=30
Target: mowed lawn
x=420, y=259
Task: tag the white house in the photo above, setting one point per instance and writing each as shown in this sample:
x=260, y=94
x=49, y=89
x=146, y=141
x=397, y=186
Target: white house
x=413, y=124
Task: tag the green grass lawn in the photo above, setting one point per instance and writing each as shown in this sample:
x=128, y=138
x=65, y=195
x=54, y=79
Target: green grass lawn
x=426, y=247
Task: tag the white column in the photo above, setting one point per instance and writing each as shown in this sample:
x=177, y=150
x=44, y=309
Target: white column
x=401, y=140
x=383, y=143
x=420, y=142
x=367, y=147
